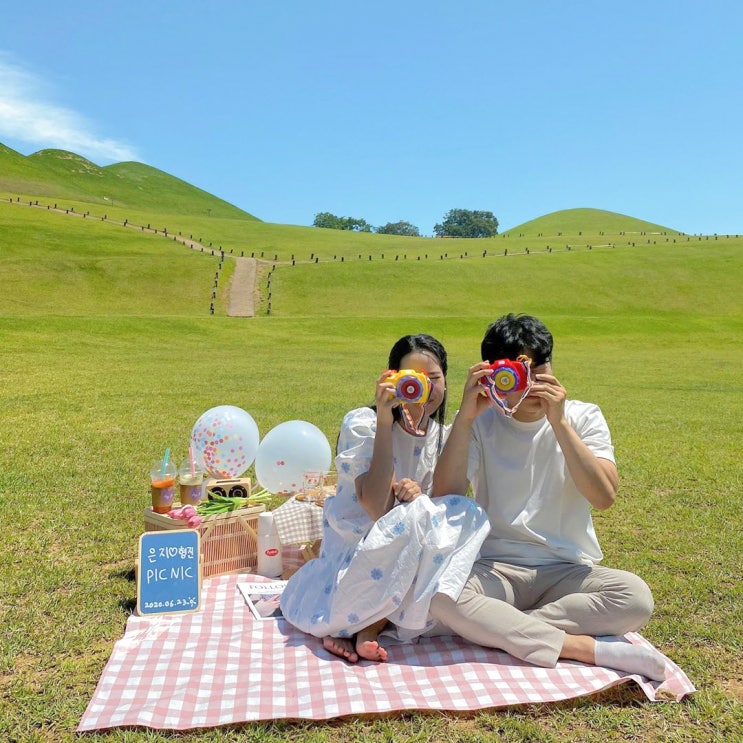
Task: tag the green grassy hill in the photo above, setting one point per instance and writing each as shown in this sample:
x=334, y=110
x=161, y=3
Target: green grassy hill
x=55, y=263
x=586, y=221
x=688, y=279
x=57, y=174
x=21, y=175
x=58, y=263
x=141, y=195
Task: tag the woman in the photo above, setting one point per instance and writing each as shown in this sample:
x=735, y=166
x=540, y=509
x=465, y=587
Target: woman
x=387, y=547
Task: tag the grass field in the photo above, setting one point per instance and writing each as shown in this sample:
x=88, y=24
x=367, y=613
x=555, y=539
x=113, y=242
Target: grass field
x=109, y=355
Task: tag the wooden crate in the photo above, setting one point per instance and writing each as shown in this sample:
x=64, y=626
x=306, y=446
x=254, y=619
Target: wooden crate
x=229, y=542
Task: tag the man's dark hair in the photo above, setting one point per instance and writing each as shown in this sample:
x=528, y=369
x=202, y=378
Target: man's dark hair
x=511, y=335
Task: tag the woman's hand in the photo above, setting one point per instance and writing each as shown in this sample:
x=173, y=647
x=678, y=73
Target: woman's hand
x=406, y=490
x=384, y=398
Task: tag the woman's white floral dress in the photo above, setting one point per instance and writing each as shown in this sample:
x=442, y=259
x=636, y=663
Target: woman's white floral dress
x=392, y=567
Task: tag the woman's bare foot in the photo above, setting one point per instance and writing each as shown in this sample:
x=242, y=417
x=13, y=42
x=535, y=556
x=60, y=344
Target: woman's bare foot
x=341, y=647
x=367, y=646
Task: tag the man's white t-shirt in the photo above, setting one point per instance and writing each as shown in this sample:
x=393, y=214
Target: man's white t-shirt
x=519, y=476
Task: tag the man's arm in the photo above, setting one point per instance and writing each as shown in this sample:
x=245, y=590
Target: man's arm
x=450, y=475
x=597, y=479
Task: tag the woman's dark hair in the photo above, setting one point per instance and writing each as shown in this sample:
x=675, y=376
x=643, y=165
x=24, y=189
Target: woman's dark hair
x=408, y=344
x=420, y=342
x=511, y=335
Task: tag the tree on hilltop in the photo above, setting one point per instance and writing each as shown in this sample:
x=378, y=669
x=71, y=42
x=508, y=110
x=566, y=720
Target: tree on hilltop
x=328, y=221
x=332, y=222
x=399, y=228
x=467, y=223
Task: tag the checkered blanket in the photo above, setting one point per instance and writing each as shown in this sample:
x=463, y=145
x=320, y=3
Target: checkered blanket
x=220, y=666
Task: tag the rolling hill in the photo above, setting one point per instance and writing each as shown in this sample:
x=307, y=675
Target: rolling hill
x=136, y=194
x=50, y=255
x=137, y=187
x=65, y=175
x=588, y=221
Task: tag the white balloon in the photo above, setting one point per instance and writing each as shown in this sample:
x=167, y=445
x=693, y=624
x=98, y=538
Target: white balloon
x=225, y=439
x=287, y=452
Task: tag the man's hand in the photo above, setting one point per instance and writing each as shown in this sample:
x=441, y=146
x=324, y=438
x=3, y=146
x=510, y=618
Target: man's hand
x=474, y=401
x=552, y=396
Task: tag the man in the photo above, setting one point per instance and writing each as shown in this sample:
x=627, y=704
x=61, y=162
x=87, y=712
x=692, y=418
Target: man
x=537, y=464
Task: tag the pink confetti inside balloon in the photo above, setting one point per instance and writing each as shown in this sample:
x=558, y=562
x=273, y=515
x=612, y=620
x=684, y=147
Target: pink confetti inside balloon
x=225, y=439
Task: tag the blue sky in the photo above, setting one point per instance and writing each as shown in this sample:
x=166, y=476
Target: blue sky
x=399, y=110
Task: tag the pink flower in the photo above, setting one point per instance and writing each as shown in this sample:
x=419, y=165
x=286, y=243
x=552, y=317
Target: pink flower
x=187, y=514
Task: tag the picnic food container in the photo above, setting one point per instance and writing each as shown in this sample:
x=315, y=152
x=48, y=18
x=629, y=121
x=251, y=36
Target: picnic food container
x=229, y=541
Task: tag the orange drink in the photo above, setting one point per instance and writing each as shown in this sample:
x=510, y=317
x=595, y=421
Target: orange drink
x=162, y=485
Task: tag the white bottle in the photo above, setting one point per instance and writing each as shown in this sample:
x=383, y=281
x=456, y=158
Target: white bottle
x=270, y=564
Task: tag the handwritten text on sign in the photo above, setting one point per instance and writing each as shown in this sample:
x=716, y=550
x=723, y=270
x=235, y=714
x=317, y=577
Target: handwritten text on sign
x=168, y=578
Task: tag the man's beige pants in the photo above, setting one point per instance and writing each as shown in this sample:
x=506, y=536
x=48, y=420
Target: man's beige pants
x=528, y=611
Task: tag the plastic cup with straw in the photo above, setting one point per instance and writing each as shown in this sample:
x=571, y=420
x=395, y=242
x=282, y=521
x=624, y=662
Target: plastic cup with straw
x=191, y=480
x=162, y=483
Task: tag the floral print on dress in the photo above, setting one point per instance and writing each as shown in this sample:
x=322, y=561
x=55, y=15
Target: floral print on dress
x=389, y=568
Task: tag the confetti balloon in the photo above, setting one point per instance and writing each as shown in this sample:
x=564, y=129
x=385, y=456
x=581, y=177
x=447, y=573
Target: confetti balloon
x=225, y=439
x=287, y=452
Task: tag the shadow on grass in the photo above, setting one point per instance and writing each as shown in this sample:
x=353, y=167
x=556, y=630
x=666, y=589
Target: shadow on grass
x=126, y=603
x=129, y=574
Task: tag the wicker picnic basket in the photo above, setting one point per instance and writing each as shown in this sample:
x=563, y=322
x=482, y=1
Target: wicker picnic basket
x=229, y=542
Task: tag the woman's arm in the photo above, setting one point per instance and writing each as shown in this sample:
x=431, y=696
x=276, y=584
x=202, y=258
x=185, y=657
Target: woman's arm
x=374, y=487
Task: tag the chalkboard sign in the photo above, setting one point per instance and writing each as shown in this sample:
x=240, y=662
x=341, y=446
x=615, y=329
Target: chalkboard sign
x=168, y=572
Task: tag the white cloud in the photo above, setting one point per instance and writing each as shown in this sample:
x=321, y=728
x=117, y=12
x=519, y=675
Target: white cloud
x=26, y=115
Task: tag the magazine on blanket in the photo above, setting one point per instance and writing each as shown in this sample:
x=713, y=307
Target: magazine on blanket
x=263, y=598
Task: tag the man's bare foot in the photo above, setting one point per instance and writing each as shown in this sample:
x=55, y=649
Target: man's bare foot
x=367, y=646
x=341, y=647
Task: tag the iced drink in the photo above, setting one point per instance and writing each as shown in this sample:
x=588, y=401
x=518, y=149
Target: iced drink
x=312, y=487
x=162, y=484
x=190, y=479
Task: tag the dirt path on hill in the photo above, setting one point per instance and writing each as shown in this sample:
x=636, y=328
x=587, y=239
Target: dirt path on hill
x=242, y=288
x=241, y=301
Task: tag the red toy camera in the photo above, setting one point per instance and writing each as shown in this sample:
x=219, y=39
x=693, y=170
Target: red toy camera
x=507, y=376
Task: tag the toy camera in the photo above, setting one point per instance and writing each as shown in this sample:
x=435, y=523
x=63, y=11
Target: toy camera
x=507, y=376
x=411, y=386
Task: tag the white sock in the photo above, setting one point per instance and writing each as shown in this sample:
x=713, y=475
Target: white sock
x=624, y=656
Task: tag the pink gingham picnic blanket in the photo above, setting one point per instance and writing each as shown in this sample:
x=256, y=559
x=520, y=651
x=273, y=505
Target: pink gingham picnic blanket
x=220, y=666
